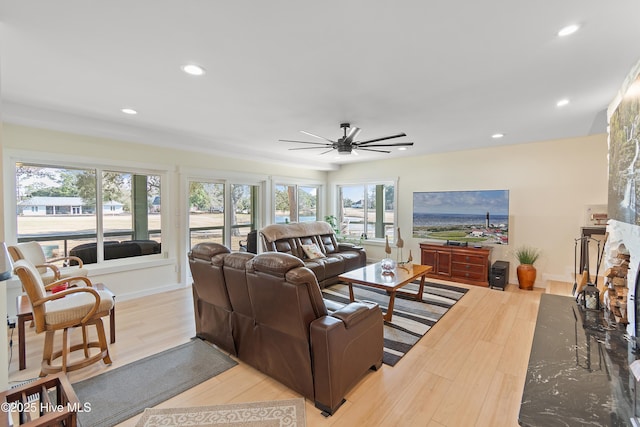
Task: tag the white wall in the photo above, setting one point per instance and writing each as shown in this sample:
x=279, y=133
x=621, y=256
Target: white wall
x=550, y=186
x=153, y=273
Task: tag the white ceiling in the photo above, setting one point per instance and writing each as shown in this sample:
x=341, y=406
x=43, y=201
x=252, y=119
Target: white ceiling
x=448, y=73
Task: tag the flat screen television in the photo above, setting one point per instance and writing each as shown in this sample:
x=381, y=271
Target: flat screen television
x=475, y=217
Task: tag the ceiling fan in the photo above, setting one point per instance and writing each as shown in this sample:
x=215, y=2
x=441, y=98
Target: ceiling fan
x=347, y=144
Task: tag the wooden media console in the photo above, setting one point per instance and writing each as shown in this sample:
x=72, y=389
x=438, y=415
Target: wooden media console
x=462, y=264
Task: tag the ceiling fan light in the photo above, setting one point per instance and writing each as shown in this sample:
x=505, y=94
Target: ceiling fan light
x=344, y=150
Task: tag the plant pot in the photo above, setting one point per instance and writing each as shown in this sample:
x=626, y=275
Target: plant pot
x=526, y=276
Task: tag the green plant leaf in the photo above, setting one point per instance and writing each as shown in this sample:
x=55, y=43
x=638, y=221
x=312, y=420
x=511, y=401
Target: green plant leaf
x=527, y=255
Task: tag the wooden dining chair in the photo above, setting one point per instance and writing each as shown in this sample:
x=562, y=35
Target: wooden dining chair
x=50, y=270
x=77, y=306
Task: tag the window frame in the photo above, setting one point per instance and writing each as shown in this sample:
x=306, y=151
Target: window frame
x=53, y=160
x=297, y=183
x=188, y=174
x=339, y=208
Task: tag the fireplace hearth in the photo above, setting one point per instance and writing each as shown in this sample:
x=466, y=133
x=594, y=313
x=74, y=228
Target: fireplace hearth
x=625, y=238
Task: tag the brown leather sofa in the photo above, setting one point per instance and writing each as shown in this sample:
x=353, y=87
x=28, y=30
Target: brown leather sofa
x=268, y=310
x=337, y=257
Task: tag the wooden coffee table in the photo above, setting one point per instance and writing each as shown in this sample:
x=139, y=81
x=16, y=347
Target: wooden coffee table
x=371, y=275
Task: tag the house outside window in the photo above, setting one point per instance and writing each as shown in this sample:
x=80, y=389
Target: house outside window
x=56, y=206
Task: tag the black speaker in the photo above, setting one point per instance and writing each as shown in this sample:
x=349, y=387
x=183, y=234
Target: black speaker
x=499, y=276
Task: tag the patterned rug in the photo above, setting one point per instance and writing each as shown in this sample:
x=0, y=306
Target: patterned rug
x=411, y=319
x=275, y=413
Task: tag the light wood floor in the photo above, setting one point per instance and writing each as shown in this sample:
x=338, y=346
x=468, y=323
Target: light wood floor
x=469, y=370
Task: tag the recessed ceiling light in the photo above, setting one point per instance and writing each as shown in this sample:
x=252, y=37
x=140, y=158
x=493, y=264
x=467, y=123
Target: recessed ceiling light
x=497, y=135
x=562, y=102
x=129, y=111
x=569, y=29
x=402, y=148
x=194, y=70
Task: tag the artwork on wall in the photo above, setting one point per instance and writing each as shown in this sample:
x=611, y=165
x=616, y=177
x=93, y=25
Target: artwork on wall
x=477, y=217
x=624, y=158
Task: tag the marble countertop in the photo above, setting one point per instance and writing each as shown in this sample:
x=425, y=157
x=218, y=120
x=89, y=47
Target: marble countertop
x=578, y=373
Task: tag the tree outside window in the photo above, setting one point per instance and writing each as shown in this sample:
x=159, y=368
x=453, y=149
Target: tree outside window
x=57, y=206
x=211, y=212
x=295, y=203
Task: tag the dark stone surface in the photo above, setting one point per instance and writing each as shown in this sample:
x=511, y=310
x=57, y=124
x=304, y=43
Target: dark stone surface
x=578, y=372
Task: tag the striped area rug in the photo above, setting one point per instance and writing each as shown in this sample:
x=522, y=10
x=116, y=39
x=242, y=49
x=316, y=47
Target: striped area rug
x=411, y=319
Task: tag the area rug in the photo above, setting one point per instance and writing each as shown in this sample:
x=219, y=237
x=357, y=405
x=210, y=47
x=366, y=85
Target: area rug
x=126, y=391
x=411, y=319
x=257, y=414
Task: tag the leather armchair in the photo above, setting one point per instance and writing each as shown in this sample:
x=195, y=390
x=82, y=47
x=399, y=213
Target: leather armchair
x=319, y=355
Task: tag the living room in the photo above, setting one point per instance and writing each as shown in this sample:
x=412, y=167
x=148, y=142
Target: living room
x=552, y=183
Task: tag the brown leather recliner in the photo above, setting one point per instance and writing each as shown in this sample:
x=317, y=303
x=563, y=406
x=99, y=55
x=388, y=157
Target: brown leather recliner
x=280, y=324
x=211, y=304
x=316, y=354
x=235, y=274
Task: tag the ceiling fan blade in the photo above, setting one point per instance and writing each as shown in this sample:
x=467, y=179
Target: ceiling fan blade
x=369, y=149
x=353, y=133
x=305, y=142
x=382, y=139
x=317, y=136
x=325, y=152
x=397, y=144
x=307, y=148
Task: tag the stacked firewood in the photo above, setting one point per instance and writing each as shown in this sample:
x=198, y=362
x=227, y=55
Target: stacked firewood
x=617, y=289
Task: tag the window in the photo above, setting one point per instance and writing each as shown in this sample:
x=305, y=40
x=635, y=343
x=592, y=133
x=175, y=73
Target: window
x=213, y=205
x=295, y=203
x=58, y=206
x=206, y=212
x=367, y=210
x=243, y=212
x=127, y=204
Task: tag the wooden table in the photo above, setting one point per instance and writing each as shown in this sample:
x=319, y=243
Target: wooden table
x=47, y=401
x=371, y=275
x=25, y=314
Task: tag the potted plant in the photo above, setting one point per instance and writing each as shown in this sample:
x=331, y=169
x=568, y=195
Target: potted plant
x=333, y=221
x=526, y=256
x=342, y=238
